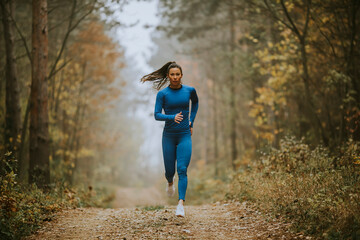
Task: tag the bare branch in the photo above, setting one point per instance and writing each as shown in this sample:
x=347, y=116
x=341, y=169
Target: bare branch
x=273, y=13
x=71, y=27
x=324, y=35
x=82, y=18
x=61, y=67
x=65, y=40
x=66, y=19
x=21, y=35
x=308, y=3
x=294, y=28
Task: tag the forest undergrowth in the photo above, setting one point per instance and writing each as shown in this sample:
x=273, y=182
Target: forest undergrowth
x=318, y=191
x=23, y=208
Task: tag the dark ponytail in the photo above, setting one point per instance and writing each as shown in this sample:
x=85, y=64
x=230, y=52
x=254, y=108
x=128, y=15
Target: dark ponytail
x=159, y=77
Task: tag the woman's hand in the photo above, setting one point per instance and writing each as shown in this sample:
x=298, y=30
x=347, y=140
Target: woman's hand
x=178, y=117
x=191, y=129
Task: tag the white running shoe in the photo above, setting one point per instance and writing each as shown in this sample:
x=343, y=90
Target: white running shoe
x=170, y=189
x=180, y=212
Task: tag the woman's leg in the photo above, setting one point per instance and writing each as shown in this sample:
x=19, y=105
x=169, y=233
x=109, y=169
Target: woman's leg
x=169, y=154
x=183, y=157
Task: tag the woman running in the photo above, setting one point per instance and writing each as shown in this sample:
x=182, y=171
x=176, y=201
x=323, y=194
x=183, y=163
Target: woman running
x=179, y=122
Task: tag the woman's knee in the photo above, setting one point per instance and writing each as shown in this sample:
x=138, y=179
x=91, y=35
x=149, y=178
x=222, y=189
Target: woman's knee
x=182, y=171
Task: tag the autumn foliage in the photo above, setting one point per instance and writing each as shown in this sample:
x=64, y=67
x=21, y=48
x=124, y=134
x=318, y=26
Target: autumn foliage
x=76, y=85
x=296, y=105
x=82, y=93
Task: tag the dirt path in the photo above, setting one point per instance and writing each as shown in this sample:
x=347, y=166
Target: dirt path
x=132, y=197
x=216, y=221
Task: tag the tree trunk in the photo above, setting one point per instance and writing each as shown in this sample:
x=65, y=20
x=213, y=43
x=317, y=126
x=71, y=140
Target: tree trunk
x=23, y=158
x=352, y=67
x=311, y=113
x=13, y=108
x=39, y=170
x=205, y=133
x=232, y=87
x=216, y=145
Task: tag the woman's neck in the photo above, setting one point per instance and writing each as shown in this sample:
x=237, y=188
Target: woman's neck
x=175, y=87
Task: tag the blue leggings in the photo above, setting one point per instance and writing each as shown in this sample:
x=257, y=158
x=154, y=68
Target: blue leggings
x=177, y=148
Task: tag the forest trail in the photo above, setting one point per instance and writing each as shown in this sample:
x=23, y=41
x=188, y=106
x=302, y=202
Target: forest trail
x=232, y=220
x=132, y=197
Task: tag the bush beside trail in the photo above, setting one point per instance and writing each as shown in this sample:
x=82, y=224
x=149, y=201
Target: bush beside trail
x=317, y=191
x=24, y=208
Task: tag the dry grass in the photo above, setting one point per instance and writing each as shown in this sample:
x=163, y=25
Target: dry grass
x=24, y=208
x=318, y=192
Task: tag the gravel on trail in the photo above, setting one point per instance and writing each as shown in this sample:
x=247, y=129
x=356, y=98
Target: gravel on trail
x=228, y=220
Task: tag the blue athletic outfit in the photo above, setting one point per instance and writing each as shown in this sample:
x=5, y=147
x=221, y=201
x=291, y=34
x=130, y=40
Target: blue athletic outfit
x=176, y=140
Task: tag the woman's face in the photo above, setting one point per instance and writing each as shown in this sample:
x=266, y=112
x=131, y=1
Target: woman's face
x=175, y=76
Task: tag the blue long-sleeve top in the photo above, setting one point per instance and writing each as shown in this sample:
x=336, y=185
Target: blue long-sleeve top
x=174, y=101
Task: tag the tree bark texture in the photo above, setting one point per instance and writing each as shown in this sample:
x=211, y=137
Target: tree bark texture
x=216, y=145
x=234, y=153
x=39, y=171
x=13, y=108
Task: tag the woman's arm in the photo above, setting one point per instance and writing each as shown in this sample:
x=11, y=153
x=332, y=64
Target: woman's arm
x=194, y=106
x=158, y=109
